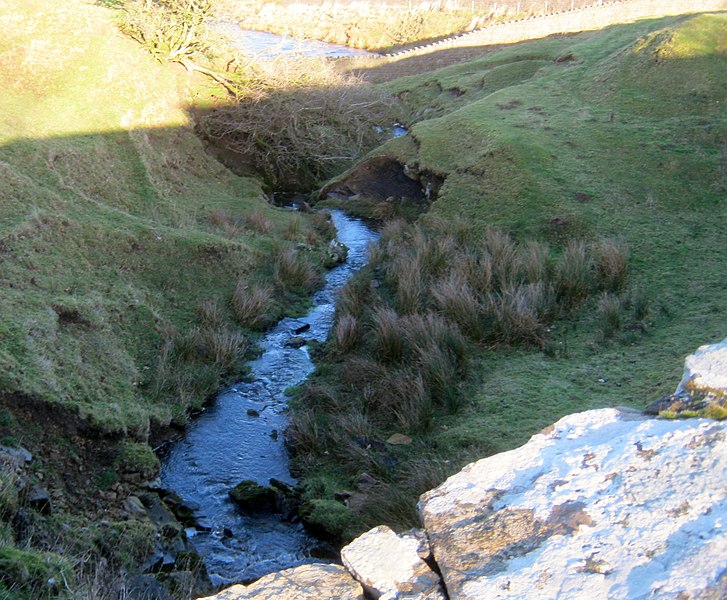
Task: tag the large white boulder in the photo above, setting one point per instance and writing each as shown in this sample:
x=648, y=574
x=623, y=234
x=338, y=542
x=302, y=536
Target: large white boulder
x=703, y=388
x=307, y=582
x=603, y=504
x=389, y=566
x=706, y=369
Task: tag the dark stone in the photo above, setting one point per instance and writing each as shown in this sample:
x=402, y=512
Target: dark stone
x=301, y=329
x=182, y=511
x=159, y=562
x=146, y=587
x=296, y=342
x=251, y=412
x=252, y=497
x=37, y=498
x=287, y=499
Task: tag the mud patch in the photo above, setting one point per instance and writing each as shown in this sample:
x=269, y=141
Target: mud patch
x=382, y=178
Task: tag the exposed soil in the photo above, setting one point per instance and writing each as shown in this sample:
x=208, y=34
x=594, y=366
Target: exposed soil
x=70, y=457
x=382, y=178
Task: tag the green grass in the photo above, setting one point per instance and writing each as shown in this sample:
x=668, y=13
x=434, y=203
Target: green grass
x=121, y=245
x=618, y=134
x=108, y=235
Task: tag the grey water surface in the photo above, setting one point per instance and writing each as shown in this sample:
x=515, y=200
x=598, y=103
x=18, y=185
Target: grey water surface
x=263, y=44
x=226, y=444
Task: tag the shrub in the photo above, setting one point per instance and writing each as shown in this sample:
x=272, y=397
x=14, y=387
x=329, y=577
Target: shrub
x=534, y=259
x=252, y=304
x=477, y=269
x=298, y=121
x=171, y=30
x=502, y=250
x=454, y=298
x=293, y=228
x=210, y=313
x=430, y=332
x=638, y=303
x=410, y=283
x=356, y=297
x=517, y=312
x=404, y=394
x=305, y=436
x=225, y=348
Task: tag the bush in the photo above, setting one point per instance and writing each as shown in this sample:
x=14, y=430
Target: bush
x=210, y=313
x=298, y=122
x=389, y=336
x=518, y=314
x=171, y=30
x=454, y=298
x=258, y=222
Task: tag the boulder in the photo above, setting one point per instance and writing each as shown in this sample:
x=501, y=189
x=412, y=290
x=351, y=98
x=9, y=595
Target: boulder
x=388, y=566
x=306, y=582
x=603, y=504
x=37, y=498
x=703, y=388
x=252, y=497
x=706, y=368
x=296, y=342
x=336, y=253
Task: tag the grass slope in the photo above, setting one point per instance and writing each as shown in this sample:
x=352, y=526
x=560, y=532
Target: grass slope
x=111, y=213
x=620, y=133
x=122, y=244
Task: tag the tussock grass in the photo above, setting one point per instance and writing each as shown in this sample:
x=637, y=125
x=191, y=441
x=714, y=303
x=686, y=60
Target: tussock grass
x=252, y=304
x=347, y=333
x=573, y=274
x=293, y=270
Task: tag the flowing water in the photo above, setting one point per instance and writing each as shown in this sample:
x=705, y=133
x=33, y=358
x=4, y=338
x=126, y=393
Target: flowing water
x=228, y=443
x=263, y=44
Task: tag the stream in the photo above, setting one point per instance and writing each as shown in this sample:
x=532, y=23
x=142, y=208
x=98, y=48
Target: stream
x=263, y=44
x=228, y=443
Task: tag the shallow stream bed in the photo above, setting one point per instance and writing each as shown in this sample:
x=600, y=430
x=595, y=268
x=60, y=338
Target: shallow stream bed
x=240, y=436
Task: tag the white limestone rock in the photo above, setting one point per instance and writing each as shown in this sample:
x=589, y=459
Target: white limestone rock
x=706, y=368
x=389, y=566
x=703, y=388
x=307, y=582
x=603, y=504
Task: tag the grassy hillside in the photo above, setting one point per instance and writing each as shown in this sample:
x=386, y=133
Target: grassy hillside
x=617, y=134
x=131, y=265
x=114, y=223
